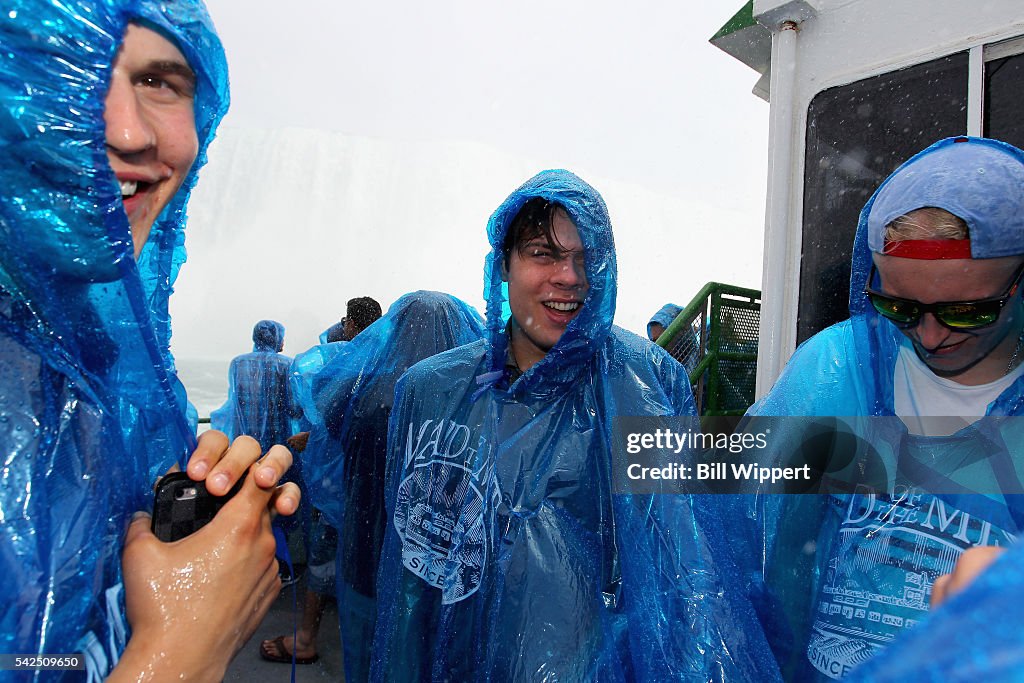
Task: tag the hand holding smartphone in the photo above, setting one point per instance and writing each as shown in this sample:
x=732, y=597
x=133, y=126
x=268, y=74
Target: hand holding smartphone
x=183, y=506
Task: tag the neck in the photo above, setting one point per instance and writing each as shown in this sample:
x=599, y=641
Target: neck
x=524, y=352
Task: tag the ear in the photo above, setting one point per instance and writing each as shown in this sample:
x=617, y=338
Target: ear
x=504, y=269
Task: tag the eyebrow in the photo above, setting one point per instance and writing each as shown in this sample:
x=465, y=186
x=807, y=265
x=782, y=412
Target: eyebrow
x=171, y=66
x=560, y=251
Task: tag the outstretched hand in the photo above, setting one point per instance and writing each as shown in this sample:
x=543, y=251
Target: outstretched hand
x=192, y=604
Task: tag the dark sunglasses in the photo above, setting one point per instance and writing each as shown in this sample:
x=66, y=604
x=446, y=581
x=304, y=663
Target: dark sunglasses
x=956, y=315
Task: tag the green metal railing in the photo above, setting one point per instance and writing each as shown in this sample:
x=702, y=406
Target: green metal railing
x=715, y=338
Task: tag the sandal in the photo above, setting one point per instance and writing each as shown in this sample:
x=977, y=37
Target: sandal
x=277, y=652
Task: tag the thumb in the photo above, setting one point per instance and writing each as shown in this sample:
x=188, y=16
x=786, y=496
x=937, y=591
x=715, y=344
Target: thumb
x=139, y=528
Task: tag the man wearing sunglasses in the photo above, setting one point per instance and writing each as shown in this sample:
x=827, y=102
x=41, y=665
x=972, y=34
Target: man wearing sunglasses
x=961, y=317
x=933, y=344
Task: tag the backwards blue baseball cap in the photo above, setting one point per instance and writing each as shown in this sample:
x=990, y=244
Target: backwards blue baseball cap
x=980, y=180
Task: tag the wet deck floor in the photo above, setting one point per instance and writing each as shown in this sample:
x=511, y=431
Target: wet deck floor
x=248, y=667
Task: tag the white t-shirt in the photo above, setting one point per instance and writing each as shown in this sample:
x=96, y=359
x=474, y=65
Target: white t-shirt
x=935, y=406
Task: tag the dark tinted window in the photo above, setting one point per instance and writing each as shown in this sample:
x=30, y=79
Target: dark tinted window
x=1004, y=106
x=857, y=134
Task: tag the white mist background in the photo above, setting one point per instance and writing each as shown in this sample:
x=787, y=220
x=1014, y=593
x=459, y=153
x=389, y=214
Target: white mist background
x=367, y=146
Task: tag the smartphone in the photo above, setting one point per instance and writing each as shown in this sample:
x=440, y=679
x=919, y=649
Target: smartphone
x=183, y=506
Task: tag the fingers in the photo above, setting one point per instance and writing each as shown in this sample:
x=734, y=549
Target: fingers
x=940, y=590
x=262, y=483
x=285, y=499
x=212, y=445
x=231, y=464
x=139, y=528
x=970, y=563
x=272, y=467
x=222, y=466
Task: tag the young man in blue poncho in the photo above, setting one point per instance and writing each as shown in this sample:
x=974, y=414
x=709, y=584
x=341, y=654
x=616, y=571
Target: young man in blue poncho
x=106, y=109
x=933, y=345
x=507, y=558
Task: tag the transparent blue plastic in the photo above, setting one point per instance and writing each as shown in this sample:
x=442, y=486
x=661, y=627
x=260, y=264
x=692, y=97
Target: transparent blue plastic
x=844, y=576
x=506, y=556
x=344, y=462
x=91, y=410
x=260, y=402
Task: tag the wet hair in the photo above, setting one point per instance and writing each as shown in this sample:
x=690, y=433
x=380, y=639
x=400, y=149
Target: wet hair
x=927, y=223
x=362, y=311
x=534, y=219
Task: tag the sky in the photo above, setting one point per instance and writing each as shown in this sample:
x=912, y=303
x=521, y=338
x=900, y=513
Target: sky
x=368, y=143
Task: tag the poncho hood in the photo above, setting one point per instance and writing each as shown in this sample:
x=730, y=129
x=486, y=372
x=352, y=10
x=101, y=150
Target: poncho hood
x=66, y=253
x=589, y=329
x=268, y=335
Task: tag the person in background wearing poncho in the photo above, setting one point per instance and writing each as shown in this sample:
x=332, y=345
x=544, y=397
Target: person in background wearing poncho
x=321, y=538
x=260, y=402
x=507, y=558
x=354, y=395
x=934, y=343
x=660, y=321
x=106, y=110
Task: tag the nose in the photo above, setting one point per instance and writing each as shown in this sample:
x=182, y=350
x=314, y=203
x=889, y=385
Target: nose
x=128, y=128
x=930, y=332
x=570, y=273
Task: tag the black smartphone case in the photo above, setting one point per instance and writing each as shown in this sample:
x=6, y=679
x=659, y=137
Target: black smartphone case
x=182, y=506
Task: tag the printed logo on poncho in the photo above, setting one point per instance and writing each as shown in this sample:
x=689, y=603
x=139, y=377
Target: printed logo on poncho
x=878, y=581
x=439, y=510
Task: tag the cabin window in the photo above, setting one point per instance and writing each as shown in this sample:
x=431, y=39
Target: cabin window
x=857, y=134
x=1003, y=112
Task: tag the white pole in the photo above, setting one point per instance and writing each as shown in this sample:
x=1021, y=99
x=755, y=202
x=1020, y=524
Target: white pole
x=975, y=90
x=780, y=278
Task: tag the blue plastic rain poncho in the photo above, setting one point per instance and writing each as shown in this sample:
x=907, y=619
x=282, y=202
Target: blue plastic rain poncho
x=507, y=558
x=354, y=394
x=664, y=317
x=90, y=408
x=260, y=402
x=303, y=371
x=856, y=571
x=974, y=636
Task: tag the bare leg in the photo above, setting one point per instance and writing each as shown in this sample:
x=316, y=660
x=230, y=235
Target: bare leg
x=309, y=627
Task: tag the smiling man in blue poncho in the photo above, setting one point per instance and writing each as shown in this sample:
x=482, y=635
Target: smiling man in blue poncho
x=933, y=345
x=106, y=110
x=507, y=558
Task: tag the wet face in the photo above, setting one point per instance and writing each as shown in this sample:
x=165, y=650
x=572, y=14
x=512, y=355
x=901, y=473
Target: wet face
x=150, y=125
x=965, y=356
x=546, y=289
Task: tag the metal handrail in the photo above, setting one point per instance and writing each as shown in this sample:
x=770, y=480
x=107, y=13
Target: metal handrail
x=707, y=302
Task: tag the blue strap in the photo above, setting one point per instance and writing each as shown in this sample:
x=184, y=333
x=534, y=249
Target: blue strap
x=284, y=554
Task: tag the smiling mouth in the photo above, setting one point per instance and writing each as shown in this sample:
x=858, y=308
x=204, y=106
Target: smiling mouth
x=130, y=188
x=563, y=306
x=943, y=350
